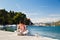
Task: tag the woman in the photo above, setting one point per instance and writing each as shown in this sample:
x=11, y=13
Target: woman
x=21, y=28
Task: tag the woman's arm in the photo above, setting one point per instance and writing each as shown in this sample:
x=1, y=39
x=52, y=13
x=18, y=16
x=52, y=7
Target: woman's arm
x=18, y=27
x=25, y=27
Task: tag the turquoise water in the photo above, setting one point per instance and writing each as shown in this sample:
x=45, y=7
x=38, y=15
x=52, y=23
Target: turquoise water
x=46, y=31
x=52, y=32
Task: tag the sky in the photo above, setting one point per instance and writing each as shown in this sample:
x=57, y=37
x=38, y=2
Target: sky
x=36, y=10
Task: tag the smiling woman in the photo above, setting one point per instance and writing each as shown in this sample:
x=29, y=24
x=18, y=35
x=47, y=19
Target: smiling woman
x=21, y=28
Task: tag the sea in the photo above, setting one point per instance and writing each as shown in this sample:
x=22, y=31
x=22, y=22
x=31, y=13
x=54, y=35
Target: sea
x=45, y=31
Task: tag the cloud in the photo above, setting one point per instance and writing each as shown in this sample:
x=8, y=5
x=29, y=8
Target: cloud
x=43, y=6
x=2, y=8
x=44, y=20
x=36, y=18
x=54, y=15
x=18, y=6
x=31, y=14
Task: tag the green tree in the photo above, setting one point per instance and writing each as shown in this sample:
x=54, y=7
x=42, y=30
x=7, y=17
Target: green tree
x=12, y=17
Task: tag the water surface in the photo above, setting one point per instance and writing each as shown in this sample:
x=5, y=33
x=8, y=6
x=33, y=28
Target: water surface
x=50, y=31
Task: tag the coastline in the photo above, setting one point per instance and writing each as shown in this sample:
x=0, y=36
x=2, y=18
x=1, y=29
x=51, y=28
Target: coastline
x=5, y=35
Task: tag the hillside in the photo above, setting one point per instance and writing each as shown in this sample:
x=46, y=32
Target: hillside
x=56, y=23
